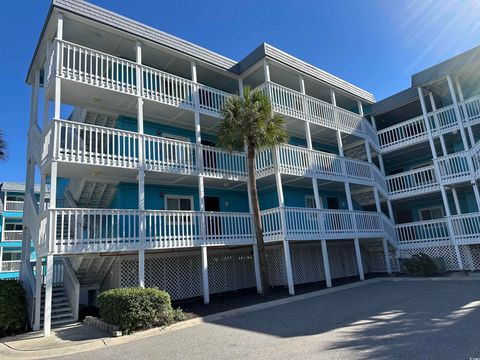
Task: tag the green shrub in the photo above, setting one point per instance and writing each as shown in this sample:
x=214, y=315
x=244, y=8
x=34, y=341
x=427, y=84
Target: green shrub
x=136, y=308
x=13, y=308
x=420, y=264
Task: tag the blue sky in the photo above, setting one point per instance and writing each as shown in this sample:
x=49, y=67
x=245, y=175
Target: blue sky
x=374, y=44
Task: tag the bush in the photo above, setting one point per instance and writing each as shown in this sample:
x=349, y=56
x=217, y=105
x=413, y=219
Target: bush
x=136, y=308
x=13, y=308
x=420, y=264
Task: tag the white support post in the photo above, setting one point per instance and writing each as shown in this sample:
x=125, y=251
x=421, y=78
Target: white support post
x=201, y=187
x=457, y=112
x=326, y=263
x=358, y=256
x=390, y=211
x=141, y=170
x=437, y=123
x=462, y=100
x=47, y=320
x=360, y=108
x=38, y=293
x=308, y=137
x=386, y=253
x=348, y=195
x=206, y=292
x=455, y=200
x=240, y=87
x=34, y=99
x=58, y=82
x=477, y=195
x=266, y=69
x=288, y=267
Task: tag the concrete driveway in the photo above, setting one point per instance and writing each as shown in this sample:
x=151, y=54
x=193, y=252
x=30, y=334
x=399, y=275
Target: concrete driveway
x=385, y=320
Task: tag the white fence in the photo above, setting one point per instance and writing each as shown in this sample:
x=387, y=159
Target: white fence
x=412, y=182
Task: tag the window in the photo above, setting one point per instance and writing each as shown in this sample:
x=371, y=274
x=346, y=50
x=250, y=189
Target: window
x=17, y=227
x=15, y=197
x=12, y=256
x=173, y=202
x=431, y=213
x=310, y=202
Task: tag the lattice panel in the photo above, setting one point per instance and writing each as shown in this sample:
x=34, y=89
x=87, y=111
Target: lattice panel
x=112, y=279
x=342, y=259
x=374, y=257
x=307, y=263
x=230, y=270
x=276, y=265
x=470, y=256
x=445, y=252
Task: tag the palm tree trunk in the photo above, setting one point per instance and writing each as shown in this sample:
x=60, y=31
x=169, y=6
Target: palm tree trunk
x=252, y=183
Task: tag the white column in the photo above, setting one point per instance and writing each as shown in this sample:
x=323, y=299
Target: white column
x=360, y=107
x=390, y=211
x=141, y=171
x=326, y=263
x=38, y=293
x=386, y=253
x=462, y=99
x=206, y=292
x=288, y=267
x=240, y=87
x=358, y=255
x=437, y=124
x=477, y=195
x=201, y=188
x=457, y=112
x=58, y=82
x=34, y=98
x=47, y=320
x=266, y=69
x=455, y=200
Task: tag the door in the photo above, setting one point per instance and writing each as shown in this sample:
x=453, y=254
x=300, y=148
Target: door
x=213, y=223
x=334, y=221
x=209, y=159
x=332, y=203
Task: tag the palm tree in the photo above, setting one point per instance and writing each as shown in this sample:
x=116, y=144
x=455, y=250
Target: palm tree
x=248, y=121
x=3, y=147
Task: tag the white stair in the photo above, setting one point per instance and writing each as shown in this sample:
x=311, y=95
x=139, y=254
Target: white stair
x=61, y=310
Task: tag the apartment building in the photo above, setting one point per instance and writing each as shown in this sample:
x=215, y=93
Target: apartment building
x=140, y=195
x=12, y=196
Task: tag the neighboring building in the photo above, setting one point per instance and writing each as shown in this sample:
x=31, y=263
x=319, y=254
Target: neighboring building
x=12, y=196
x=141, y=195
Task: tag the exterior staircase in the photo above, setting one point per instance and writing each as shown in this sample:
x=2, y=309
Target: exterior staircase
x=93, y=118
x=61, y=309
x=91, y=194
x=91, y=270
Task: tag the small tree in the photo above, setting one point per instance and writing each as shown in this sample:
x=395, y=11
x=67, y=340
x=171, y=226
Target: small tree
x=248, y=121
x=3, y=146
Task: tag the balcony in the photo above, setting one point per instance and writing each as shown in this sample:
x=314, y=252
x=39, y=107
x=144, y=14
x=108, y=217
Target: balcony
x=79, y=143
x=12, y=235
x=461, y=166
x=465, y=227
x=112, y=230
x=91, y=67
x=298, y=161
x=10, y=266
x=297, y=105
x=411, y=183
x=16, y=206
x=441, y=121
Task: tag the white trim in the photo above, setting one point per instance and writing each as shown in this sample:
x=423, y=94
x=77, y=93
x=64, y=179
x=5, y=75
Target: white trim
x=429, y=209
x=312, y=198
x=175, y=137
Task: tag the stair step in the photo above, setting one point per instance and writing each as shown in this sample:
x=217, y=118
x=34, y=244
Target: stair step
x=59, y=312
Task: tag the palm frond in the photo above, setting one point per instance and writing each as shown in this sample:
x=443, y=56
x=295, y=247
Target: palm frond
x=3, y=147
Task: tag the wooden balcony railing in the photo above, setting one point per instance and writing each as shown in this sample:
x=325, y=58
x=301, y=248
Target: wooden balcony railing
x=412, y=182
x=12, y=235
x=295, y=104
x=88, y=66
x=16, y=206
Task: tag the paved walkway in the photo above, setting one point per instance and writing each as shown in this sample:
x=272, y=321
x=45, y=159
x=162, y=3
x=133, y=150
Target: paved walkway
x=381, y=318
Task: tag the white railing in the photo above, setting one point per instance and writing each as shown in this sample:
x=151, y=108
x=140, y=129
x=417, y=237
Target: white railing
x=295, y=104
x=319, y=224
x=10, y=266
x=402, y=134
x=472, y=108
x=466, y=228
x=295, y=160
x=412, y=182
x=12, y=235
x=97, y=145
x=454, y=167
x=13, y=205
x=432, y=231
x=92, y=67
x=90, y=230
